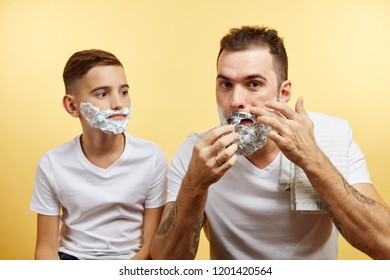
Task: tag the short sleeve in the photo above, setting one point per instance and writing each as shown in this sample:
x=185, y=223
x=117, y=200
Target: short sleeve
x=44, y=198
x=157, y=191
x=357, y=167
x=179, y=165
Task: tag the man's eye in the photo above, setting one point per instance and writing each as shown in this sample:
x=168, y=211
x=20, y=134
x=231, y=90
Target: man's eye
x=254, y=84
x=125, y=92
x=226, y=85
x=101, y=94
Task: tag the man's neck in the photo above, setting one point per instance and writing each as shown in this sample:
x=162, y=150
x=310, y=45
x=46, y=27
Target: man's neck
x=263, y=157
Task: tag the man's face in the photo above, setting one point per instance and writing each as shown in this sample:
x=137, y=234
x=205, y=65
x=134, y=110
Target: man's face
x=103, y=99
x=245, y=79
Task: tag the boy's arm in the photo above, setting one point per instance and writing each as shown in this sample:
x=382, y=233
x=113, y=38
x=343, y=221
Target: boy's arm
x=151, y=221
x=47, y=237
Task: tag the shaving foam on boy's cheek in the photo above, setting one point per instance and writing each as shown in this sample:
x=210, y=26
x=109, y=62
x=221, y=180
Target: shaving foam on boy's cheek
x=100, y=118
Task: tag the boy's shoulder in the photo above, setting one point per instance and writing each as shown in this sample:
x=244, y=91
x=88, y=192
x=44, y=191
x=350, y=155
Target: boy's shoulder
x=140, y=143
x=61, y=152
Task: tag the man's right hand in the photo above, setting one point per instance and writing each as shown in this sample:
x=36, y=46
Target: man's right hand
x=212, y=156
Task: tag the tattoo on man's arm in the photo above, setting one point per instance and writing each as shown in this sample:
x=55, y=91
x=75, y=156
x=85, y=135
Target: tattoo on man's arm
x=197, y=229
x=335, y=221
x=361, y=198
x=357, y=195
x=169, y=221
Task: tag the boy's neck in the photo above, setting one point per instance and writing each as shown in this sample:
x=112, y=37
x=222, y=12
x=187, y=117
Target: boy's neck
x=102, y=149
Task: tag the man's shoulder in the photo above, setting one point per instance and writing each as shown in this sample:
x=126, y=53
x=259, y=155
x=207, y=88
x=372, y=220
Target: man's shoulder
x=194, y=137
x=324, y=118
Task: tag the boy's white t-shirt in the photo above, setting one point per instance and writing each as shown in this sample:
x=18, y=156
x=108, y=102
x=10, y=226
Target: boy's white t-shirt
x=249, y=215
x=102, y=209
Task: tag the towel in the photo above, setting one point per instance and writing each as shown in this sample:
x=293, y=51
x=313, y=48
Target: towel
x=332, y=136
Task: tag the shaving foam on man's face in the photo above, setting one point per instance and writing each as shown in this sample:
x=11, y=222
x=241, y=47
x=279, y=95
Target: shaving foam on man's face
x=253, y=135
x=101, y=118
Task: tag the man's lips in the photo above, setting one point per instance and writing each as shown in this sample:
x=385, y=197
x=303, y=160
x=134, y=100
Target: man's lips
x=244, y=122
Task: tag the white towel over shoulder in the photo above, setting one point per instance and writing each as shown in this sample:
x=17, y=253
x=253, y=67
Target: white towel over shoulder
x=332, y=135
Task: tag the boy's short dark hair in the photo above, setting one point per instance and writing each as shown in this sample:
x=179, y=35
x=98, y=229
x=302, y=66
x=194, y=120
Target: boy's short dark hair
x=83, y=61
x=250, y=37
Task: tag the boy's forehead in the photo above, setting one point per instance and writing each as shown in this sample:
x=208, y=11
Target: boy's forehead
x=101, y=76
x=102, y=73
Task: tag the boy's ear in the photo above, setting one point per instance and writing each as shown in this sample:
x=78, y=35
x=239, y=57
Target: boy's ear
x=69, y=103
x=285, y=91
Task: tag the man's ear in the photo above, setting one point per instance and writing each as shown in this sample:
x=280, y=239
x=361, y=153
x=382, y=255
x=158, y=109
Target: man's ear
x=69, y=103
x=284, y=94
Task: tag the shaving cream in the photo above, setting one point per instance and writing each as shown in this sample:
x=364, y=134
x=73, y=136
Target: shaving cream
x=252, y=138
x=101, y=118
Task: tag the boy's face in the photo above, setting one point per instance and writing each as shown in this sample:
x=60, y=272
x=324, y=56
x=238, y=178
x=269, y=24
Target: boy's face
x=104, y=87
x=103, y=93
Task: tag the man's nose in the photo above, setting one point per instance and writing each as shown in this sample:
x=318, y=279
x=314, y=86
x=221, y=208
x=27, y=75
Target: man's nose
x=237, y=98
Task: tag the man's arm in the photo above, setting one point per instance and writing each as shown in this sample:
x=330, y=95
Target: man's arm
x=178, y=234
x=151, y=220
x=359, y=213
x=47, y=237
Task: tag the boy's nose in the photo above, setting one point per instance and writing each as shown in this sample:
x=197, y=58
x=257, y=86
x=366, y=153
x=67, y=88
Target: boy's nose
x=116, y=102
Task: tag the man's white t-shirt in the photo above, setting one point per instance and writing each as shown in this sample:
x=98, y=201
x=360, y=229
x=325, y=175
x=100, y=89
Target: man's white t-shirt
x=249, y=216
x=102, y=209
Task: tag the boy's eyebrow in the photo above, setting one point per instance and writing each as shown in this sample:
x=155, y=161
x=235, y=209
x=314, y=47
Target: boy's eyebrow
x=107, y=87
x=249, y=77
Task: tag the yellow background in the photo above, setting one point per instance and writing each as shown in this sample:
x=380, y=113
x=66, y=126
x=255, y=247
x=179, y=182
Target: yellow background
x=339, y=55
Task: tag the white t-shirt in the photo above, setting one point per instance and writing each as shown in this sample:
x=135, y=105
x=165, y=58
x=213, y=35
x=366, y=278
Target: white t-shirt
x=249, y=216
x=102, y=209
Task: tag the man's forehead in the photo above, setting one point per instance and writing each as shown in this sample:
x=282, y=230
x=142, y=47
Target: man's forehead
x=253, y=63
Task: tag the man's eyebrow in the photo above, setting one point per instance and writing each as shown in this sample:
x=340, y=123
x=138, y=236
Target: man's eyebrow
x=249, y=77
x=256, y=76
x=220, y=76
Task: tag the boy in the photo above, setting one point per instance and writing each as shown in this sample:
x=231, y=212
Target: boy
x=109, y=185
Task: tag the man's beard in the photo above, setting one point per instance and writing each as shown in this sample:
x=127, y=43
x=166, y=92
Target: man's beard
x=252, y=138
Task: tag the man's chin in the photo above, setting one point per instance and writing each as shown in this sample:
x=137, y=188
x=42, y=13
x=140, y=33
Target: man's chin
x=252, y=138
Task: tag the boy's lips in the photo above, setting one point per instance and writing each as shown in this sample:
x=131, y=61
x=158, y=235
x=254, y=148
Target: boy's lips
x=117, y=117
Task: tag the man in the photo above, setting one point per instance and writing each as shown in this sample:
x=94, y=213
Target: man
x=229, y=180
x=105, y=187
